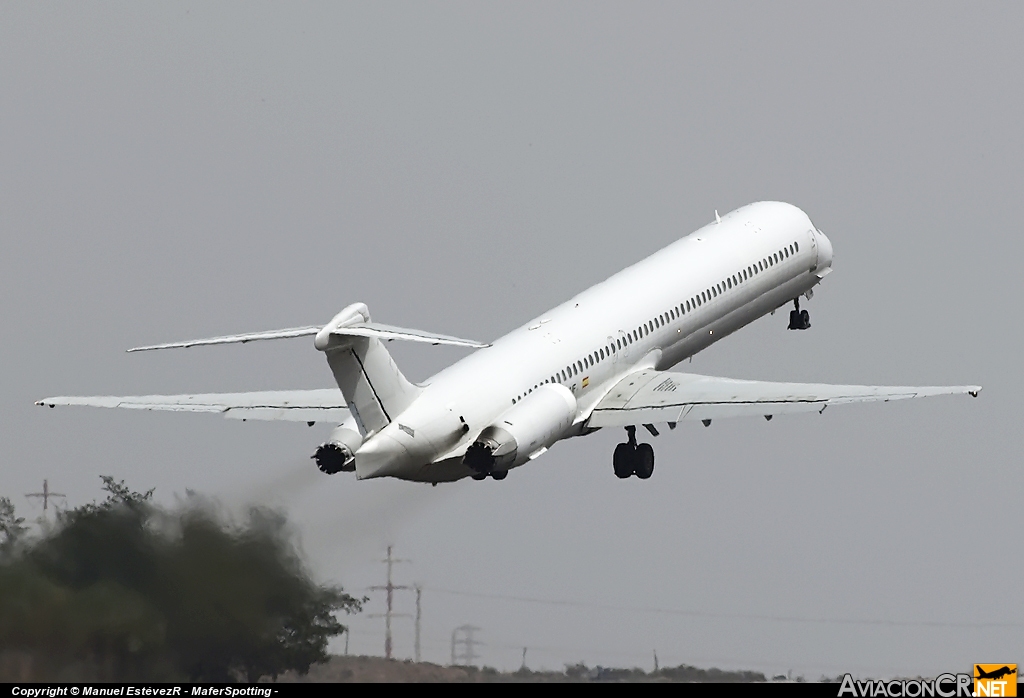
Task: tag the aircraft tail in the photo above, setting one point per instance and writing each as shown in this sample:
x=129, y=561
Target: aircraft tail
x=374, y=388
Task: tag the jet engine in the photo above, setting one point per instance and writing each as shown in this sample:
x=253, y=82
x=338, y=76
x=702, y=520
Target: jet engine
x=532, y=424
x=338, y=453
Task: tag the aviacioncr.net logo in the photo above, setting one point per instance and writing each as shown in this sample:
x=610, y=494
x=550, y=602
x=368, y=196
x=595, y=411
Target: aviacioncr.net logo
x=942, y=686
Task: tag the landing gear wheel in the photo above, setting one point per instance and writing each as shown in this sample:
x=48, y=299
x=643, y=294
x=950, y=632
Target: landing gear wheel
x=622, y=460
x=499, y=474
x=478, y=476
x=799, y=319
x=644, y=462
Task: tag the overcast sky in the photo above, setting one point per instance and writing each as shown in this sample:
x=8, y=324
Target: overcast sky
x=171, y=171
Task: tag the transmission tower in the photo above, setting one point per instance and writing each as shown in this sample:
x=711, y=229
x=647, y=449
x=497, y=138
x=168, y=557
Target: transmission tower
x=419, y=616
x=468, y=644
x=390, y=588
x=46, y=495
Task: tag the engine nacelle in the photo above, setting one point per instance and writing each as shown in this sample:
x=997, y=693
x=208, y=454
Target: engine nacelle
x=533, y=423
x=338, y=453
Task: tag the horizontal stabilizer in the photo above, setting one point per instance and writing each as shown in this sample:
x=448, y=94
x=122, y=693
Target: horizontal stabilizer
x=389, y=332
x=234, y=338
x=646, y=397
x=326, y=405
x=361, y=329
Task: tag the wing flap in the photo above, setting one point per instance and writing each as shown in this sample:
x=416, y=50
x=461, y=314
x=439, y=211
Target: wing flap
x=284, y=405
x=646, y=397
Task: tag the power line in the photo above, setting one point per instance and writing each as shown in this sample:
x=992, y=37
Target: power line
x=716, y=614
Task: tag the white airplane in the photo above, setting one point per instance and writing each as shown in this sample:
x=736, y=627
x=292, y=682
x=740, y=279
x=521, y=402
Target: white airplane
x=599, y=360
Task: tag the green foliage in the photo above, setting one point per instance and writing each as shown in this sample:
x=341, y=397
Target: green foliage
x=10, y=526
x=124, y=590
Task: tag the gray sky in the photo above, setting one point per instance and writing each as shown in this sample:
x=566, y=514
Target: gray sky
x=182, y=170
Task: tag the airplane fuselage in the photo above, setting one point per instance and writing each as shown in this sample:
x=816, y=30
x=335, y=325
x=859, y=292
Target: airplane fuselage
x=654, y=314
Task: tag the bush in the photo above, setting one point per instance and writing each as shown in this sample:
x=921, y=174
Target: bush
x=124, y=590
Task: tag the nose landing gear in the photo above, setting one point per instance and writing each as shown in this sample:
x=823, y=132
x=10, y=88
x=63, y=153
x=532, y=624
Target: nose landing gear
x=799, y=319
x=631, y=458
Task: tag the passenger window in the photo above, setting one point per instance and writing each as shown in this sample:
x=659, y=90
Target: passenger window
x=797, y=246
x=730, y=282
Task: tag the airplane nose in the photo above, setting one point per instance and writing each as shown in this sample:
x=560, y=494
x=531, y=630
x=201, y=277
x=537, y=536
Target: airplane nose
x=824, y=246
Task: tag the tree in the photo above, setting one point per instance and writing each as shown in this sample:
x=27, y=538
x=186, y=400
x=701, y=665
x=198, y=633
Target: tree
x=125, y=590
x=10, y=526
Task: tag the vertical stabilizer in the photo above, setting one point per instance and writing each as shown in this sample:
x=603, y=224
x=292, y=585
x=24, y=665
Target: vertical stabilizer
x=374, y=388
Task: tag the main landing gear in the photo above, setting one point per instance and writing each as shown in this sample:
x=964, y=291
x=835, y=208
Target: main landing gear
x=632, y=458
x=799, y=319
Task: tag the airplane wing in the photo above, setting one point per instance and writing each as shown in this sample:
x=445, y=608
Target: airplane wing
x=646, y=397
x=288, y=405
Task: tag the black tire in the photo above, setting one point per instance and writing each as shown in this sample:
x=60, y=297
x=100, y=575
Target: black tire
x=805, y=319
x=478, y=476
x=499, y=474
x=622, y=460
x=644, y=461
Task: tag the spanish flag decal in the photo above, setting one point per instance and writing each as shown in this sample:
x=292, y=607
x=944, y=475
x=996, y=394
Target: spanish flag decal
x=586, y=381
